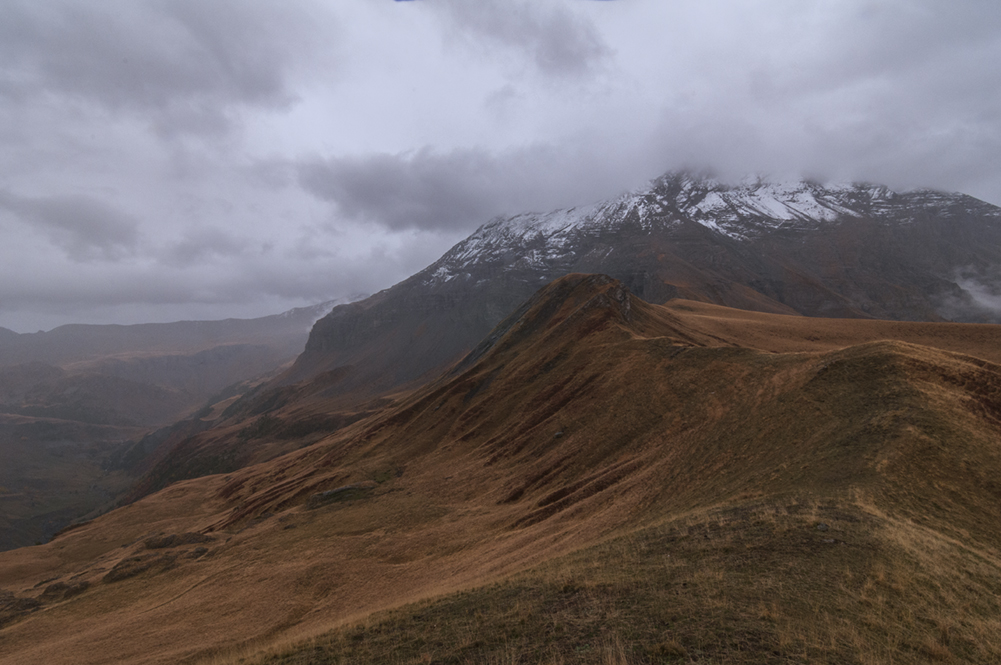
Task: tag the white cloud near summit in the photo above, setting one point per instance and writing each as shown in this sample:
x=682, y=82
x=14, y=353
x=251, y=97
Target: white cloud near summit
x=164, y=159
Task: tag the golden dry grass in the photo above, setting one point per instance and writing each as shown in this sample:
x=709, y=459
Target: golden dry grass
x=748, y=583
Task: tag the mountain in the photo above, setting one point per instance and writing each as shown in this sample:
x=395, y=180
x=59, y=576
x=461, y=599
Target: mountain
x=143, y=375
x=854, y=250
x=600, y=480
x=849, y=250
x=55, y=471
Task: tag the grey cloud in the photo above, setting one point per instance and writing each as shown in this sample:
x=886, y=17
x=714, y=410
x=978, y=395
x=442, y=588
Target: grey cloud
x=85, y=228
x=423, y=190
x=274, y=174
x=203, y=245
x=140, y=292
x=461, y=189
x=559, y=42
x=183, y=63
x=888, y=92
x=852, y=94
x=978, y=296
x=983, y=293
x=895, y=92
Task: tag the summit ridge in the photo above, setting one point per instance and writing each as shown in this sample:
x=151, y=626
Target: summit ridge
x=748, y=210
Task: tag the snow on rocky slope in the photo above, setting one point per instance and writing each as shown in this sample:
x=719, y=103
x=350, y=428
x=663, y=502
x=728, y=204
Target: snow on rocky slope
x=747, y=211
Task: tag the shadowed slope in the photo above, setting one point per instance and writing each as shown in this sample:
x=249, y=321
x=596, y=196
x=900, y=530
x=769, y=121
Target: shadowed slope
x=588, y=415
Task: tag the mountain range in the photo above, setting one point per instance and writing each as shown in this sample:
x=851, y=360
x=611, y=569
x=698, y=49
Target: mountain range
x=849, y=250
x=765, y=431
x=855, y=251
x=600, y=480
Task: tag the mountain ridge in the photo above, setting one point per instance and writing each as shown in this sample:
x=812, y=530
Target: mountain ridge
x=872, y=253
x=843, y=262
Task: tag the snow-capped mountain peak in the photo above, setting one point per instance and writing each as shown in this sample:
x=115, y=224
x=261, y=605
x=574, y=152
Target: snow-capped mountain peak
x=841, y=250
x=744, y=212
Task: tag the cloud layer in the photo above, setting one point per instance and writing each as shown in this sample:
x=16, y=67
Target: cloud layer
x=183, y=66
x=168, y=159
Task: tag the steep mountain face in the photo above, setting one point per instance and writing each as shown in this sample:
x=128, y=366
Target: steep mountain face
x=680, y=482
x=856, y=250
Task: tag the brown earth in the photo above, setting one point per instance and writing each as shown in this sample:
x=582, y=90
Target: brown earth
x=528, y=505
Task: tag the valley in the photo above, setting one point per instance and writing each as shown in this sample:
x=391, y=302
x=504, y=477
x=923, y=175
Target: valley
x=77, y=404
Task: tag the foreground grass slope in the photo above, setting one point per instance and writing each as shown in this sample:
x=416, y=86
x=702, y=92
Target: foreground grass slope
x=751, y=582
x=602, y=480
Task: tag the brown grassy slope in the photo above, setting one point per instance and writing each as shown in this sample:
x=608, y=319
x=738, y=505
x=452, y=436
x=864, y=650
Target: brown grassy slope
x=752, y=582
x=258, y=426
x=594, y=415
x=301, y=414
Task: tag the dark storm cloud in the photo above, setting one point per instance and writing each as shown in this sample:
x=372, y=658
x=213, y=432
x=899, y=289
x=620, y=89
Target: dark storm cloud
x=182, y=64
x=423, y=190
x=556, y=40
x=85, y=228
x=460, y=189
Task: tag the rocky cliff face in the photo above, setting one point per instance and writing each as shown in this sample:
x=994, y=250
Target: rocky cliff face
x=848, y=250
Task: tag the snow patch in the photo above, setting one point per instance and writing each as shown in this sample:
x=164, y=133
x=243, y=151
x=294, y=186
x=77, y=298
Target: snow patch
x=750, y=209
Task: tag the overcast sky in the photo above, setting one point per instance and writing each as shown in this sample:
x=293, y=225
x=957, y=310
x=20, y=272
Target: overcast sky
x=202, y=159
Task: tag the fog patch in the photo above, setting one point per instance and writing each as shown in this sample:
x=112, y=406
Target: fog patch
x=977, y=298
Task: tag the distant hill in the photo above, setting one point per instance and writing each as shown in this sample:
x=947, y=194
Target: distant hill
x=599, y=480
x=143, y=375
x=76, y=342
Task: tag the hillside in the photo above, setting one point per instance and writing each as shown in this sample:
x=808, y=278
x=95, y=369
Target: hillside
x=852, y=250
x=600, y=480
